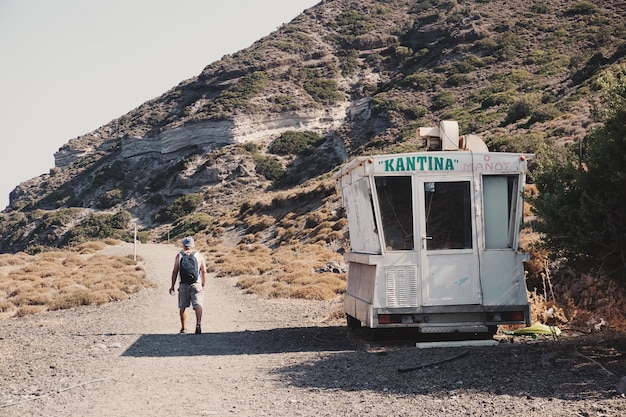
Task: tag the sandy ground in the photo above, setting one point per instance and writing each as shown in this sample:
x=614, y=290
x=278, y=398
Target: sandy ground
x=280, y=358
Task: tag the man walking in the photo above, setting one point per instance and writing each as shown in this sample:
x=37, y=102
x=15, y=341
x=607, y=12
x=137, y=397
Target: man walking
x=190, y=268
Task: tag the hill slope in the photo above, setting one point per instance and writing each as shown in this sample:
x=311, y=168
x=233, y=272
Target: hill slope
x=343, y=78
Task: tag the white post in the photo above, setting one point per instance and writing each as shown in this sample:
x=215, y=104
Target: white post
x=135, y=245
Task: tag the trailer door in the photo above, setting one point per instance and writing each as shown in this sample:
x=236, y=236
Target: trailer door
x=449, y=250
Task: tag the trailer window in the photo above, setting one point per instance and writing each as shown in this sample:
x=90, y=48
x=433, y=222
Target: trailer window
x=500, y=194
x=448, y=215
x=395, y=202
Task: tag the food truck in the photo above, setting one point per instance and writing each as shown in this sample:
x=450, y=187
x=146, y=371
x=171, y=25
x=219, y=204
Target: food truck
x=434, y=236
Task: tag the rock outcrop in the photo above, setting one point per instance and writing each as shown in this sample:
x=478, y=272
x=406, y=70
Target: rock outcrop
x=209, y=134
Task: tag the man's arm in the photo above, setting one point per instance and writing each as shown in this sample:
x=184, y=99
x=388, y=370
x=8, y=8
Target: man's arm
x=203, y=271
x=175, y=273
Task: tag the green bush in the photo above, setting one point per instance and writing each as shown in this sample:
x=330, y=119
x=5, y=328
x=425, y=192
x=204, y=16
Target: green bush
x=498, y=99
x=415, y=112
x=323, y=90
x=582, y=210
x=351, y=22
x=109, y=199
x=110, y=172
x=522, y=108
x=189, y=225
x=156, y=200
x=467, y=64
x=420, y=82
x=183, y=206
x=59, y=217
x=582, y=7
x=101, y=226
x=457, y=80
x=238, y=95
x=544, y=113
x=540, y=8
x=294, y=143
x=268, y=167
x=348, y=60
x=443, y=100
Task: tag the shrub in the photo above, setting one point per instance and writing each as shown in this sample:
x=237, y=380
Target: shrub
x=582, y=7
x=457, y=80
x=268, y=167
x=544, y=113
x=183, y=206
x=323, y=90
x=59, y=217
x=238, y=95
x=109, y=199
x=522, y=108
x=582, y=209
x=155, y=200
x=351, y=22
x=189, y=225
x=159, y=181
x=258, y=223
x=419, y=82
x=443, y=100
x=110, y=172
x=415, y=112
x=101, y=226
x=60, y=280
x=540, y=8
x=294, y=143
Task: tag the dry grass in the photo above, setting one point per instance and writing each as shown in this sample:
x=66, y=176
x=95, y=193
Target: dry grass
x=278, y=242
x=60, y=280
x=288, y=271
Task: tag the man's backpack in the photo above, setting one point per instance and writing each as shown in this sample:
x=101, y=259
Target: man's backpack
x=188, y=268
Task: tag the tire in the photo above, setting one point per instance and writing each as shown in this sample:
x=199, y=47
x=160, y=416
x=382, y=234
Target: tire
x=352, y=322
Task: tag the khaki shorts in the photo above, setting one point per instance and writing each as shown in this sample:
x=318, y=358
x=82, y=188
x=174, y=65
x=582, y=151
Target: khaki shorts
x=190, y=295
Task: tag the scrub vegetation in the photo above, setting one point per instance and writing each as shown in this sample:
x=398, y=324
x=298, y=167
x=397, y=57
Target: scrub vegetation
x=55, y=280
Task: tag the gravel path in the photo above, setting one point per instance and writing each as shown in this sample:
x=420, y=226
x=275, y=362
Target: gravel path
x=279, y=358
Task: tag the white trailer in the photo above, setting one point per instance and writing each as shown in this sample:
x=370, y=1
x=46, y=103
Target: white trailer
x=434, y=237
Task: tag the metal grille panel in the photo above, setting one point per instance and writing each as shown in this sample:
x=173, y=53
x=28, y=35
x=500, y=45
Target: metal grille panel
x=402, y=286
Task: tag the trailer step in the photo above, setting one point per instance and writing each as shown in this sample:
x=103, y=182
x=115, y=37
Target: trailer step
x=456, y=343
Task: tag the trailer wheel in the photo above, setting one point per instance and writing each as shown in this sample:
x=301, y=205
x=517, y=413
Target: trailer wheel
x=352, y=322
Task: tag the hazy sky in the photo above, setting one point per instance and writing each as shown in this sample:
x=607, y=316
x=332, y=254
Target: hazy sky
x=68, y=67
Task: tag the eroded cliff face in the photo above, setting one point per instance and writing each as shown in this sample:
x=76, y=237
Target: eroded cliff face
x=210, y=134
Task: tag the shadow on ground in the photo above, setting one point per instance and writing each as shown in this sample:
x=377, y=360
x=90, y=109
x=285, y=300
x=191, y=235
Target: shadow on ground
x=544, y=369
x=250, y=342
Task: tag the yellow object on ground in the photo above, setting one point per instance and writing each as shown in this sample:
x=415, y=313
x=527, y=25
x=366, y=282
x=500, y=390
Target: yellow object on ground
x=535, y=329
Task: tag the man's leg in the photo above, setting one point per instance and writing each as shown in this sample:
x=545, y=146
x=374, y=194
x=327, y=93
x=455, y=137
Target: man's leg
x=198, y=311
x=183, y=317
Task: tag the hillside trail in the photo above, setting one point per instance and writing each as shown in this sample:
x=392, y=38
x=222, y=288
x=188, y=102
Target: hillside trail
x=127, y=357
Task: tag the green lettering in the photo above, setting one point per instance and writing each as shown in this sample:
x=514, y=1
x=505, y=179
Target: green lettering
x=449, y=165
x=421, y=160
x=410, y=163
x=438, y=164
x=399, y=164
x=388, y=165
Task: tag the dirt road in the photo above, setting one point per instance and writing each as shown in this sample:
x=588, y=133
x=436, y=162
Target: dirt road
x=278, y=358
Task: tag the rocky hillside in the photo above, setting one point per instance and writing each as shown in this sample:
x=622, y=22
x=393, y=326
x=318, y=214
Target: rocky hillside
x=344, y=78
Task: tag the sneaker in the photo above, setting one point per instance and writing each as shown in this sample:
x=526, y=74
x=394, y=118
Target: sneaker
x=198, y=329
x=183, y=330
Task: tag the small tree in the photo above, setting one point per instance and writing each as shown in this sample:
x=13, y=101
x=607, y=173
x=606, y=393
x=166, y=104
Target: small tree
x=582, y=208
